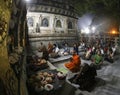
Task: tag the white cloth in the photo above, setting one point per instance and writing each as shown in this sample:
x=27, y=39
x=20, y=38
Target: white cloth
x=57, y=50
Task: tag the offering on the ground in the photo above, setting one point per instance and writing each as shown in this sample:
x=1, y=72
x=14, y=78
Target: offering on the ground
x=60, y=75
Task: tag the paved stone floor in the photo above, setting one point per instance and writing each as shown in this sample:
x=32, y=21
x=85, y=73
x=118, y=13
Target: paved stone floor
x=108, y=79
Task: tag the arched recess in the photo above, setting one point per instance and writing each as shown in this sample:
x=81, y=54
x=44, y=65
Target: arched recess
x=45, y=22
x=70, y=25
x=30, y=21
x=58, y=24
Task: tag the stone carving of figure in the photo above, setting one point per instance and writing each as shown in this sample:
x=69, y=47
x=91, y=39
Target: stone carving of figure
x=37, y=28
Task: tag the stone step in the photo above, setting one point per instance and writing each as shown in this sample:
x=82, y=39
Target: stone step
x=60, y=59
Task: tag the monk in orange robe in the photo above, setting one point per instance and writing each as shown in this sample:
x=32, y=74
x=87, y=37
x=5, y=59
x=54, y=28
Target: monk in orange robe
x=74, y=64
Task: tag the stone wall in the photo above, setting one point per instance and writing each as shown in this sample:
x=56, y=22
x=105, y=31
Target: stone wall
x=55, y=23
x=12, y=46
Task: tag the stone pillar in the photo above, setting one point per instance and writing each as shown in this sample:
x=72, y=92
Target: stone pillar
x=36, y=25
x=19, y=33
x=75, y=25
x=40, y=20
x=51, y=20
x=65, y=25
x=53, y=24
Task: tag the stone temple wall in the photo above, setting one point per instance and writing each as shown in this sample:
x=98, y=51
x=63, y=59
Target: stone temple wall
x=56, y=27
x=47, y=22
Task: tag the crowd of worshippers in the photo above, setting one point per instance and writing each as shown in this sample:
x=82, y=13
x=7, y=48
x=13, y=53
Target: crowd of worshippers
x=99, y=51
x=36, y=62
x=96, y=50
x=54, y=51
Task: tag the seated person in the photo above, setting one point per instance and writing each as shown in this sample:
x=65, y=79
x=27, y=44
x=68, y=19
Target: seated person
x=41, y=47
x=88, y=54
x=55, y=48
x=55, y=51
x=114, y=47
x=66, y=50
x=44, y=51
x=45, y=54
x=50, y=47
x=97, y=58
x=74, y=64
x=109, y=57
x=75, y=48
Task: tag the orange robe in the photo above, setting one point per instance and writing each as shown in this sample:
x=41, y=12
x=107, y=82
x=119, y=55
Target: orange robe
x=74, y=64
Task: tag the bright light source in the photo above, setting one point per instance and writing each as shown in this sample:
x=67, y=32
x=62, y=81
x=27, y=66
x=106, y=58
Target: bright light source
x=86, y=30
x=27, y=0
x=82, y=31
x=113, y=32
x=93, y=28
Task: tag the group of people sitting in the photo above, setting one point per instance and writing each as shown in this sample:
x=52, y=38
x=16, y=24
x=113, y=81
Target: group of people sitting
x=52, y=50
x=98, y=52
